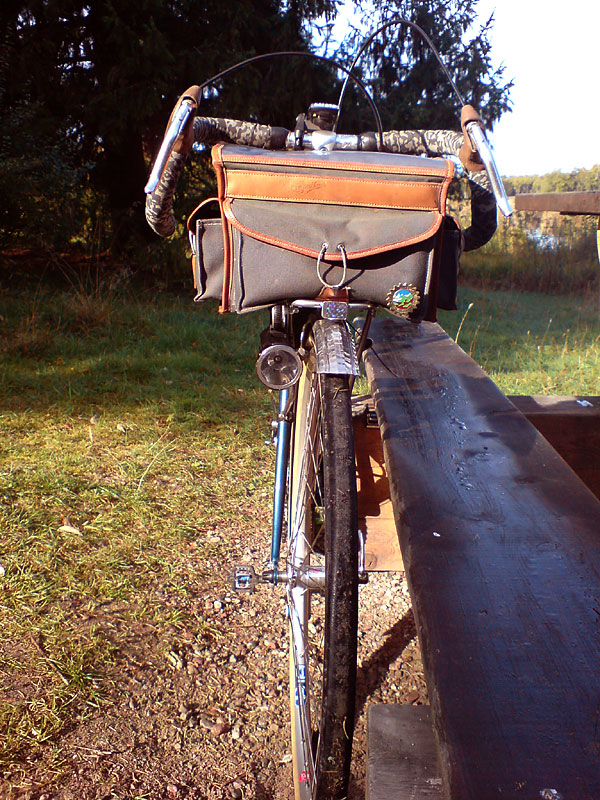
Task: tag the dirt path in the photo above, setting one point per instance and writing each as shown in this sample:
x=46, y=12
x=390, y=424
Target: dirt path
x=201, y=711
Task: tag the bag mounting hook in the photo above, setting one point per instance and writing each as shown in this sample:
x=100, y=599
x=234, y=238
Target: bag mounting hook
x=321, y=256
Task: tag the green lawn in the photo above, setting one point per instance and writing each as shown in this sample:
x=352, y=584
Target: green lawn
x=130, y=428
x=530, y=343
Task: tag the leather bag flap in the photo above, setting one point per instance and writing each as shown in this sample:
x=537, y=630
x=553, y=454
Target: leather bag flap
x=368, y=202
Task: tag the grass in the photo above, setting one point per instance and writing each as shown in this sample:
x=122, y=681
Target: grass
x=530, y=343
x=127, y=438
x=132, y=432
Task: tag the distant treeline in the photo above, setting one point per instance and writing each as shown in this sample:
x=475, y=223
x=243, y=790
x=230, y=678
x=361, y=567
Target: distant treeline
x=578, y=180
x=540, y=251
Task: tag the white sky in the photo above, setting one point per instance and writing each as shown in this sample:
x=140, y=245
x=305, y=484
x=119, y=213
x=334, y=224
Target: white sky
x=551, y=50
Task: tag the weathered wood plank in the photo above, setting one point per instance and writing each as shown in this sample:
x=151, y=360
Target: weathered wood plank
x=572, y=426
x=500, y=542
x=565, y=202
x=375, y=511
x=401, y=754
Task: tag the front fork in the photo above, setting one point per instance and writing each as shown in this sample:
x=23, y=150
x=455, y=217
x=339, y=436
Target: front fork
x=335, y=353
x=284, y=433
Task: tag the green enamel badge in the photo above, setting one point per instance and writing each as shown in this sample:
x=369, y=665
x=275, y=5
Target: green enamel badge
x=403, y=299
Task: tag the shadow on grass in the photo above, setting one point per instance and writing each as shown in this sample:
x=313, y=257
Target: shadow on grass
x=72, y=352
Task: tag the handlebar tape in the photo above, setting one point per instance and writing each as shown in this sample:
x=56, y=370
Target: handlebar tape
x=217, y=129
x=468, y=155
x=159, y=204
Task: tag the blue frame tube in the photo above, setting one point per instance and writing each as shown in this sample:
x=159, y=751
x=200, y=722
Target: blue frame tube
x=284, y=430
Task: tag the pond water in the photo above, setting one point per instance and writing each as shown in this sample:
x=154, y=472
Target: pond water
x=545, y=241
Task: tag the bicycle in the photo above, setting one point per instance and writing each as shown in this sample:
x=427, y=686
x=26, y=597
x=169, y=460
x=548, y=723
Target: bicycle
x=309, y=353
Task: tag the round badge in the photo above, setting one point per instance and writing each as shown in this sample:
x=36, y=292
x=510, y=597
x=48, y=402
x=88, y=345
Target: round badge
x=402, y=299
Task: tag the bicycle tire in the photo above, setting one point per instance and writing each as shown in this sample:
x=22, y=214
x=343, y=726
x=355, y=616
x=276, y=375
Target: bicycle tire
x=323, y=630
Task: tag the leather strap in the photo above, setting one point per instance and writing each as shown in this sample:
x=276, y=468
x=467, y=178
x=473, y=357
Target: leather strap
x=322, y=189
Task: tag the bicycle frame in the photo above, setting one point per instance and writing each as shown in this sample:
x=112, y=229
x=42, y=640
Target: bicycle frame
x=284, y=430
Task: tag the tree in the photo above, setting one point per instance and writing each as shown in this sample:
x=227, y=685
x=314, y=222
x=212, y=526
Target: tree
x=86, y=88
x=103, y=75
x=407, y=82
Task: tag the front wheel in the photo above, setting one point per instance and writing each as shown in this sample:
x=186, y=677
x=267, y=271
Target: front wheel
x=323, y=602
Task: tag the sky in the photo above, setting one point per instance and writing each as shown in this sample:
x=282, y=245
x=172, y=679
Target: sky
x=551, y=50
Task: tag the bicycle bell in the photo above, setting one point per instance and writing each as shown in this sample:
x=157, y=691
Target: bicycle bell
x=322, y=116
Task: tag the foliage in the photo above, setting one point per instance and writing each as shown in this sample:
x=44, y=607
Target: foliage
x=537, y=251
x=578, y=180
x=43, y=184
x=540, y=251
x=407, y=81
x=102, y=77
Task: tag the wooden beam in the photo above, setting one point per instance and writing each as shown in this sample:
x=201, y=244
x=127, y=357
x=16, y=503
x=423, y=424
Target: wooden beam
x=572, y=426
x=500, y=542
x=401, y=757
x=564, y=202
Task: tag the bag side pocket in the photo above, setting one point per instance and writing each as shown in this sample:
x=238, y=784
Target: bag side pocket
x=206, y=240
x=449, y=265
x=207, y=261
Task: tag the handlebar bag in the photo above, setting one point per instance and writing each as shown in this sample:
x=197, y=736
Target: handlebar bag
x=295, y=222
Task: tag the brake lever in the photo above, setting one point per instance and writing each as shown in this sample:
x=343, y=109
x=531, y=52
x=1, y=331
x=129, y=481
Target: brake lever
x=180, y=118
x=480, y=143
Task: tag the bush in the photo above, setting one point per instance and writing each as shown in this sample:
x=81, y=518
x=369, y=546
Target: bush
x=537, y=251
x=46, y=199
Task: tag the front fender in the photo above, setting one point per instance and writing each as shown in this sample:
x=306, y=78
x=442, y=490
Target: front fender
x=335, y=350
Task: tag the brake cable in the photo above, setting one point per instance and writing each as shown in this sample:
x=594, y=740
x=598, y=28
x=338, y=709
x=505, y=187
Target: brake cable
x=367, y=42
x=331, y=61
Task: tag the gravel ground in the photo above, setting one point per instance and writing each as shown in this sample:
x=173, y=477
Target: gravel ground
x=202, y=712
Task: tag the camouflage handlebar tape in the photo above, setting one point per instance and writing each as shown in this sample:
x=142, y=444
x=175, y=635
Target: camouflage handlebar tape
x=216, y=129
x=440, y=143
x=159, y=204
